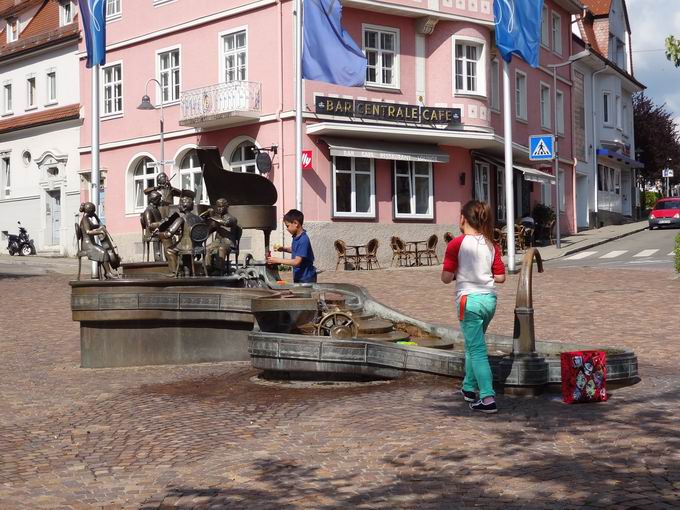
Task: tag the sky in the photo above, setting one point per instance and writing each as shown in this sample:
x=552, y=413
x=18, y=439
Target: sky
x=651, y=21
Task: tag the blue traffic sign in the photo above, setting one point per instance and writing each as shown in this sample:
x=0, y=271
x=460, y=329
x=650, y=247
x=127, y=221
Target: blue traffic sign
x=541, y=147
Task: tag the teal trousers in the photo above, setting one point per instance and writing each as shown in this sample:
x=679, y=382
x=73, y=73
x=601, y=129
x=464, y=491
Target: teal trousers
x=476, y=312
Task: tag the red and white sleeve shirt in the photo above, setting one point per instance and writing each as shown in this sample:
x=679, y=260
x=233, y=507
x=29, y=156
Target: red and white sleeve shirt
x=475, y=262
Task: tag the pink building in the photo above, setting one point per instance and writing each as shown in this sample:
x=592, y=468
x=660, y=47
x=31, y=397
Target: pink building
x=398, y=156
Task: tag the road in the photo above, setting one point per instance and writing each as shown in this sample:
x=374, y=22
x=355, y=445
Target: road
x=644, y=250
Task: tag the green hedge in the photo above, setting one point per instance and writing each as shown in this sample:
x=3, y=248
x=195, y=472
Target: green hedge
x=677, y=253
x=649, y=198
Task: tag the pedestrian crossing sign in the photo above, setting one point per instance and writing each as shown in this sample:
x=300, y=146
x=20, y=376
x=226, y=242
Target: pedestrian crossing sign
x=541, y=147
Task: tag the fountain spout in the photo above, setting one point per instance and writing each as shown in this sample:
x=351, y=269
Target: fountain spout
x=524, y=336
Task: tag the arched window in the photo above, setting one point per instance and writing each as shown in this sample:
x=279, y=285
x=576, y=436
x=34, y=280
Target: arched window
x=192, y=177
x=143, y=177
x=242, y=159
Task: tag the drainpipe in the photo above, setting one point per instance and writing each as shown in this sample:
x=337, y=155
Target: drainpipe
x=282, y=152
x=595, y=136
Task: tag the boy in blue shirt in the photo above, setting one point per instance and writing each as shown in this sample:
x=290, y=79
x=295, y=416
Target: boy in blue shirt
x=302, y=255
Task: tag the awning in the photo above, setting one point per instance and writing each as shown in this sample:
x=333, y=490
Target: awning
x=530, y=174
x=620, y=157
x=378, y=149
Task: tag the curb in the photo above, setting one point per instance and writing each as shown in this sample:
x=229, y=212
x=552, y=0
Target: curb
x=598, y=243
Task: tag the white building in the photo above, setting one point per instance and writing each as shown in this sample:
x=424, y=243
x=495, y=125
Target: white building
x=604, y=138
x=40, y=121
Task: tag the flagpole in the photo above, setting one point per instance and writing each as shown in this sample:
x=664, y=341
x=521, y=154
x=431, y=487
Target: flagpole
x=298, y=105
x=94, y=191
x=509, y=195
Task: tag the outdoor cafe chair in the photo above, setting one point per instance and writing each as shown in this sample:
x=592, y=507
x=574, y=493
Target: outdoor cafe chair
x=371, y=256
x=341, y=252
x=399, y=252
x=431, y=250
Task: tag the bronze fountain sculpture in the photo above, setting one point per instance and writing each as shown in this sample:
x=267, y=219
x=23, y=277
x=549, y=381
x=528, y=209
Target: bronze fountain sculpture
x=237, y=311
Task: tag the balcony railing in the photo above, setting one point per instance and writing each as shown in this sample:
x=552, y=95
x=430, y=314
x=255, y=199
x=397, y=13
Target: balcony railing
x=221, y=104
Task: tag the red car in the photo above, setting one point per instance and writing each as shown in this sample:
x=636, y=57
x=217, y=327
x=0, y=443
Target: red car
x=666, y=212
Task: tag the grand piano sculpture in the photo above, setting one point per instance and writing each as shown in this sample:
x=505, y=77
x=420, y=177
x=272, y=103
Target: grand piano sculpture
x=251, y=197
x=238, y=201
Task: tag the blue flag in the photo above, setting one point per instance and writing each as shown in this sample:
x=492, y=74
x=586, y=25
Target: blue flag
x=518, y=28
x=93, y=13
x=329, y=53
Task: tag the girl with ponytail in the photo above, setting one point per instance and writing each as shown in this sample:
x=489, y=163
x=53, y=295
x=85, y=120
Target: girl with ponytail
x=473, y=260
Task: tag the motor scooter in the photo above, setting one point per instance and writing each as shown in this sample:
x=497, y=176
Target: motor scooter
x=20, y=244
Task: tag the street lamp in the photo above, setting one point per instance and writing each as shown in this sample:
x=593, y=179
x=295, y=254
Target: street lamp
x=569, y=61
x=146, y=105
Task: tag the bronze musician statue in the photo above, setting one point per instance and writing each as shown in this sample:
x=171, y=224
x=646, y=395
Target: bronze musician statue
x=153, y=219
x=103, y=251
x=187, y=231
x=167, y=191
x=227, y=236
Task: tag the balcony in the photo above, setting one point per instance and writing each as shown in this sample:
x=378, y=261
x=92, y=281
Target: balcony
x=221, y=105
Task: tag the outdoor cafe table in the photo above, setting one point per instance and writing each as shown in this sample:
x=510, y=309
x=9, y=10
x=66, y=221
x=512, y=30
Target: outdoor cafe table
x=417, y=252
x=356, y=248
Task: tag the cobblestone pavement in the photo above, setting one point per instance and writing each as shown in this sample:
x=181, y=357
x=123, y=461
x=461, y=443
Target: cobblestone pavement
x=211, y=436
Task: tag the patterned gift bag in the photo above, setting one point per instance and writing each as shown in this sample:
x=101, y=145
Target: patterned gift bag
x=583, y=376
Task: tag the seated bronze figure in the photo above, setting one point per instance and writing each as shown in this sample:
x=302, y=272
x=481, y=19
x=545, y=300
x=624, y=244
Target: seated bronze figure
x=186, y=232
x=95, y=241
x=227, y=237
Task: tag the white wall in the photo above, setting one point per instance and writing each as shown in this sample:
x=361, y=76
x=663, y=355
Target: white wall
x=54, y=145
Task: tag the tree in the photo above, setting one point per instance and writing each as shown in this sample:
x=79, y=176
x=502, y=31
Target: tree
x=673, y=50
x=656, y=137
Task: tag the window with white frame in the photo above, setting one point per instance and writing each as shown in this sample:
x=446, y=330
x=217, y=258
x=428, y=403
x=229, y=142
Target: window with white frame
x=619, y=113
x=468, y=67
x=556, y=33
x=113, y=9
x=606, y=108
x=353, y=187
x=381, y=47
x=413, y=189
x=12, y=29
x=242, y=158
x=545, y=27
x=7, y=98
x=560, y=112
x=500, y=194
x=624, y=119
x=30, y=92
x=113, y=89
x=51, y=83
x=65, y=12
x=520, y=95
x=234, y=56
x=6, y=177
x=546, y=194
x=481, y=178
x=143, y=177
x=169, y=75
x=545, y=106
x=495, y=87
x=192, y=177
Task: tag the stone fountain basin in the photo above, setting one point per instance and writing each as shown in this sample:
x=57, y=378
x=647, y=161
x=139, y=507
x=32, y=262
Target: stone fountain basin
x=282, y=351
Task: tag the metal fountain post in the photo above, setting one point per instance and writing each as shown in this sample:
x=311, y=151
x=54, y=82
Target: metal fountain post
x=525, y=372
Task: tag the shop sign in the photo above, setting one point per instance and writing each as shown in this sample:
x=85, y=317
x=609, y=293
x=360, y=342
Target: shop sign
x=375, y=110
x=307, y=160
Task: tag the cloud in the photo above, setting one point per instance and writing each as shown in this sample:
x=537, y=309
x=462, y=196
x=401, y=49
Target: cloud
x=651, y=22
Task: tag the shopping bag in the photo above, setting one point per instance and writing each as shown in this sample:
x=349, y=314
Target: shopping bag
x=583, y=376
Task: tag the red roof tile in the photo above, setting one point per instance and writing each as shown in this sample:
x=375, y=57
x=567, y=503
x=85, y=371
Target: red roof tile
x=48, y=116
x=45, y=20
x=25, y=45
x=598, y=7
